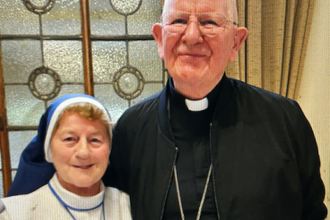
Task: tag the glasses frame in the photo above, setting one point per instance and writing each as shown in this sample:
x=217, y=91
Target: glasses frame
x=198, y=23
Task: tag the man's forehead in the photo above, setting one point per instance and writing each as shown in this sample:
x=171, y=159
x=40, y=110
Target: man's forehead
x=197, y=6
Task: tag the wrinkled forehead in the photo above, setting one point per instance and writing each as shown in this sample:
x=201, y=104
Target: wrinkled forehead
x=197, y=6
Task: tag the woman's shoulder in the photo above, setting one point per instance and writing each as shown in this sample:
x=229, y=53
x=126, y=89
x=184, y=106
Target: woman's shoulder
x=118, y=202
x=23, y=199
x=115, y=194
x=28, y=204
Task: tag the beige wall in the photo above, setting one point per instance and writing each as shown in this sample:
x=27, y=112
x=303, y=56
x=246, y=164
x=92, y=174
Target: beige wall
x=314, y=94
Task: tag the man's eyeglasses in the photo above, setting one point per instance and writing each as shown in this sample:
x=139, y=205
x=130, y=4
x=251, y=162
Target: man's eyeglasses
x=176, y=22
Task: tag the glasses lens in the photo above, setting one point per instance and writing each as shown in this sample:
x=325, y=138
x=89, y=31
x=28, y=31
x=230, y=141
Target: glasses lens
x=175, y=22
x=209, y=23
x=212, y=23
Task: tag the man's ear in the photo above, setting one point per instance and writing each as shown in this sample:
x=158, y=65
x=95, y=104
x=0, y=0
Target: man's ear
x=157, y=33
x=241, y=34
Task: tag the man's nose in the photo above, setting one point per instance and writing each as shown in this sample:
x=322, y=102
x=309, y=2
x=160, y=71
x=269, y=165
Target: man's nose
x=192, y=34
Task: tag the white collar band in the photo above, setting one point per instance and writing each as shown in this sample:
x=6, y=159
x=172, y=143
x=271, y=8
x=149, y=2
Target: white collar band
x=197, y=105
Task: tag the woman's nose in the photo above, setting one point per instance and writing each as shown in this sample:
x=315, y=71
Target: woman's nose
x=82, y=149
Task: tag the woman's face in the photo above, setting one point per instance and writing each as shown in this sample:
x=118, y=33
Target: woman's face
x=80, y=151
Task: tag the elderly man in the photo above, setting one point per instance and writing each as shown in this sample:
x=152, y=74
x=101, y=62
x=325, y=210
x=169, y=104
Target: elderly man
x=210, y=147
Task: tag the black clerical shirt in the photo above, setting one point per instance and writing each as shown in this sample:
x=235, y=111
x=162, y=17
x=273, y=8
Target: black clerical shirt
x=191, y=130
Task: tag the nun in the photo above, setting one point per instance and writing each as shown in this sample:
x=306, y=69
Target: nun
x=74, y=136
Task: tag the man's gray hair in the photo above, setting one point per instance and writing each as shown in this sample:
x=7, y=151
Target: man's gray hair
x=232, y=13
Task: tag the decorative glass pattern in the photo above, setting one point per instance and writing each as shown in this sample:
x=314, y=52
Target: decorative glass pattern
x=23, y=109
x=65, y=58
x=147, y=62
x=140, y=23
x=15, y=19
x=149, y=89
x=44, y=83
x=108, y=58
x=134, y=71
x=128, y=82
x=40, y=3
x=114, y=103
x=39, y=6
x=105, y=20
x=19, y=59
x=69, y=89
x=63, y=19
x=125, y=7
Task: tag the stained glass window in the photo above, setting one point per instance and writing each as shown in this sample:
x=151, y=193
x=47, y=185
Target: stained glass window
x=42, y=58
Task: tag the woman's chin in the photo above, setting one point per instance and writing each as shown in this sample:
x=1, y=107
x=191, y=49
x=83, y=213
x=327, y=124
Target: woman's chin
x=85, y=183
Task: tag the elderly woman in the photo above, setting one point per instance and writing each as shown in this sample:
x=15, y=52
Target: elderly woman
x=74, y=135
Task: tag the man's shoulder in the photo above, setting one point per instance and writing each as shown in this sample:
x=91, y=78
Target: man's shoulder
x=257, y=101
x=253, y=93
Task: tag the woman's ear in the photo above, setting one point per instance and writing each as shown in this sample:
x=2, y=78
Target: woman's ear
x=157, y=33
x=239, y=39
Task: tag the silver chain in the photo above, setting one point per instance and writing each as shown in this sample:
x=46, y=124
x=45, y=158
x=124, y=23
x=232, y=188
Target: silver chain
x=203, y=197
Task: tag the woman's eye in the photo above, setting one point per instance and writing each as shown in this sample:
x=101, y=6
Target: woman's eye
x=96, y=140
x=68, y=139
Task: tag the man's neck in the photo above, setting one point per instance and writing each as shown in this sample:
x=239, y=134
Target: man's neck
x=208, y=101
x=195, y=91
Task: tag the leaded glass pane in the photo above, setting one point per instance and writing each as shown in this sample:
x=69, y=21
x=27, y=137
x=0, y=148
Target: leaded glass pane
x=104, y=20
x=18, y=141
x=126, y=7
x=19, y=59
x=141, y=22
x=13, y=174
x=15, y=19
x=149, y=89
x=68, y=89
x=44, y=83
x=23, y=109
x=65, y=58
x=144, y=56
x=128, y=82
x=115, y=104
x=108, y=58
x=39, y=3
x=62, y=19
